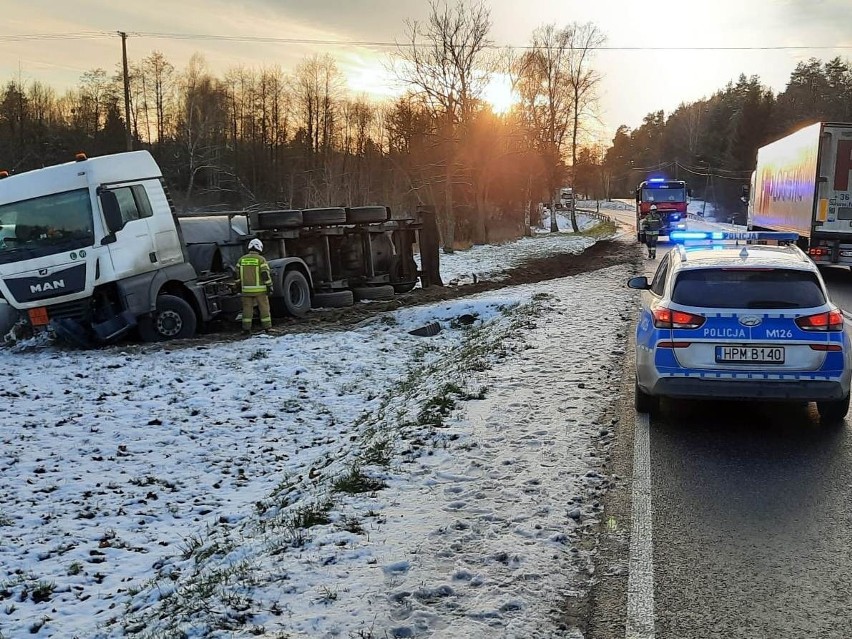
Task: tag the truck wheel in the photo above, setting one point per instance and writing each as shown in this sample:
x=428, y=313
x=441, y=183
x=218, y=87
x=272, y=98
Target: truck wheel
x=271, y=220
x=172, y=319
x=833, y=412
x=295, y=293
x=320, y=217
x=366, y=214
x=384, y=292
x=335, y=299
x=398, y=278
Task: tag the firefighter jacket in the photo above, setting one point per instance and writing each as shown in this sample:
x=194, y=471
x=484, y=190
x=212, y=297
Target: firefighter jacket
x=253, y=274
x=652, y=223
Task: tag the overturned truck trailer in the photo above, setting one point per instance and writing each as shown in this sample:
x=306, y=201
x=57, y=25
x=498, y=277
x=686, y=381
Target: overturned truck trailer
x=344, y=254
x=94, y=250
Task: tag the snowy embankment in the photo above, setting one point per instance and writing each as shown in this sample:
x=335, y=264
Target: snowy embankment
x=363, y=483
x=487, y=262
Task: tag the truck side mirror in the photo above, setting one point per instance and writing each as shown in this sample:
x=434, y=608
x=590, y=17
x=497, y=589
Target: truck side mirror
x=112, y=211
x=688, y=192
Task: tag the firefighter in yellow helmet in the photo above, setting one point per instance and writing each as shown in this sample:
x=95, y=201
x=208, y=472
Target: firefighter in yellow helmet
x=255, y=282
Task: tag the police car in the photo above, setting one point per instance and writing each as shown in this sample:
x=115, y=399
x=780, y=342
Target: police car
x=726, y=318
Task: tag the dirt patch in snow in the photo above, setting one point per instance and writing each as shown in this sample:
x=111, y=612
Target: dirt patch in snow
x=602, y=254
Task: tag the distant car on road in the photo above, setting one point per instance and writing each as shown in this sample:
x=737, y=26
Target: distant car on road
x=740, y=321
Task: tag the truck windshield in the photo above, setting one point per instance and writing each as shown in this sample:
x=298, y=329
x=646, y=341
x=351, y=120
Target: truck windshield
x=664, y=195
x=45, y=225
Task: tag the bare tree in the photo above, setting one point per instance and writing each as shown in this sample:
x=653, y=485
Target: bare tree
x=201, y=124
x=557, y=89
x=318, y=87
x=445, y=63
x=96, y=91
x=544, y=88
x=582, y=42
x=158, y=74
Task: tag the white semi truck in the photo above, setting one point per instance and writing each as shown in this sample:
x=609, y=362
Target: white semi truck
x=802, y=184
x=93, y=250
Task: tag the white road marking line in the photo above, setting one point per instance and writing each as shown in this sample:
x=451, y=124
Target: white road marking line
x=640, y=580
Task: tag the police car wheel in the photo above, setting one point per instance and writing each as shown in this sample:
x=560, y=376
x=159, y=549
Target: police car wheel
x=644, y=402
x=833, y=412
x=172, y=319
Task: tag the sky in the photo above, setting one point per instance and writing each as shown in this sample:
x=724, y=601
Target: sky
x=634, y=82
x=133, y=475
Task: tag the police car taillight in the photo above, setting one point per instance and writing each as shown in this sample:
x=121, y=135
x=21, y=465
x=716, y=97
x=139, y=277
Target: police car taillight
x=667, y=318
x=831, y=321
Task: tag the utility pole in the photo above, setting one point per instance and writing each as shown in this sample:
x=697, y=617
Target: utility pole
x=127, y=133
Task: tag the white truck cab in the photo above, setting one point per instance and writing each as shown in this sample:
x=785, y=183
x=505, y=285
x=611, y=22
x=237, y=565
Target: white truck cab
x=92, y=241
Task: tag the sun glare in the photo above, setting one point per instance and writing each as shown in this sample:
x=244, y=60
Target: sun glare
x=499, y=94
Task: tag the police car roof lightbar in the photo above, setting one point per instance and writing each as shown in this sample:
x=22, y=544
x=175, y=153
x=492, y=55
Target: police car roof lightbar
x=657, y=180
x=732, y=236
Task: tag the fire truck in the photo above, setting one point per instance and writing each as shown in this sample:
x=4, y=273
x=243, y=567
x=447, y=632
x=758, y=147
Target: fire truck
x=670, y=198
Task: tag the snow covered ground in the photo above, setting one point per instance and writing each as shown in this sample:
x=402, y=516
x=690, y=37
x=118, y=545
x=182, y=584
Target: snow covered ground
x=486, y=263
x=365, y=483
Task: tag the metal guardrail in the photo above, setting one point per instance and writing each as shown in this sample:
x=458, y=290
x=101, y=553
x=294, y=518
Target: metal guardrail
x=597, y=215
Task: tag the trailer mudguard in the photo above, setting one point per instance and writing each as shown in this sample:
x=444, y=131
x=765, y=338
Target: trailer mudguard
x=283, y=263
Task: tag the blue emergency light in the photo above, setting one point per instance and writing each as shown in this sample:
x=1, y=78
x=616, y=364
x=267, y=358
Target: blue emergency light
x=732, y=236
x=657, y=180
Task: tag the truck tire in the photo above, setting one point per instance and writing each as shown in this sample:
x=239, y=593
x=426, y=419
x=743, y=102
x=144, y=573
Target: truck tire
x=367, y=215
x=172, y=319
x=285, y=219
x=383, y=292
x=321, y=217
x=401, y=285
x=335, y=299
x=294, y=293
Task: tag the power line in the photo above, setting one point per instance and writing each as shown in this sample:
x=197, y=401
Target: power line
x=707, y=172
x=383, y=43
x=79, y=35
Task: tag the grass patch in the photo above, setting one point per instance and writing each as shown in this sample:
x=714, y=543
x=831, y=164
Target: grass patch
x=356, y=482
x=352, y=525
x=604, y=228
x=311, y=515
x=379, y=452
x=43, y=591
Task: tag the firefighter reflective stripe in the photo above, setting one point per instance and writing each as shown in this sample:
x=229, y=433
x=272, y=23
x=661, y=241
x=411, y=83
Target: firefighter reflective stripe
x=251, y=274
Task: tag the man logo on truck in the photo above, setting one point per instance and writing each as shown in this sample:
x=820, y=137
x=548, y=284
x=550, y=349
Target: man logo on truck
x=42, y=287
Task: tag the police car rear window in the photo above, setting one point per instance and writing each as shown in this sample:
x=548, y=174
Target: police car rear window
x=748, y=288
